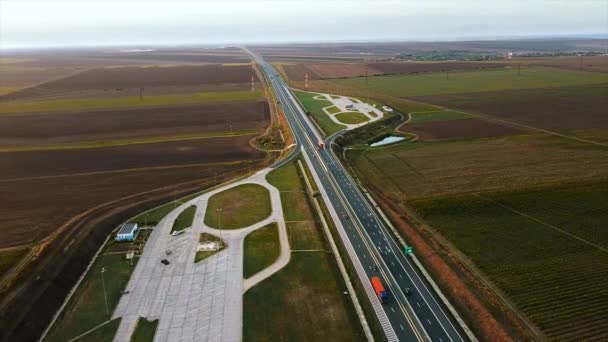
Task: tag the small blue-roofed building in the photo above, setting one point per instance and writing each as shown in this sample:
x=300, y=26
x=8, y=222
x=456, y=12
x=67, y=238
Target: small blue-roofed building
x=127, y=232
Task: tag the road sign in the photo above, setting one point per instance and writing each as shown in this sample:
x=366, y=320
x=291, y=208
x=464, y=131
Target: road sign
x=409, y=250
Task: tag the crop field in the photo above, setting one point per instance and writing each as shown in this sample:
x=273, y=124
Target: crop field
x=320, y=71
x=472, y=81
x=103, y=125
x=424, y=169
x=586, y=63
x=561, y=108
x=443, y=115
x=545, y=247
x=458, y=129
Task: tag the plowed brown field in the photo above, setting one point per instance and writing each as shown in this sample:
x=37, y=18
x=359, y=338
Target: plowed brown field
x=99, y=125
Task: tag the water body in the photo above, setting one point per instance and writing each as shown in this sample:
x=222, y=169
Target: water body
x=387, y=140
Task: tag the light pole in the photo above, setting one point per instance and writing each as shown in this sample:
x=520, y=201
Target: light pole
x=105, y=296
x=219, y=211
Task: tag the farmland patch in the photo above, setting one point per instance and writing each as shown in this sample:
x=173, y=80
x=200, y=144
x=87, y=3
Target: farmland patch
x=458, y=129
x=472, y=81
x=561, y=108
x=545, y=247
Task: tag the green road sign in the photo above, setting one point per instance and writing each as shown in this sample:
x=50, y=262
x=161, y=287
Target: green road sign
x=409, y=250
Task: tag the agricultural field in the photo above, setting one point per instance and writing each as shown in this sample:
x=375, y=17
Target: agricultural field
x=511, y=171
x=458, y=129
x=323, y=71
x=286, y=305
x=562, y=109
x=545, y=247
x=71, y=162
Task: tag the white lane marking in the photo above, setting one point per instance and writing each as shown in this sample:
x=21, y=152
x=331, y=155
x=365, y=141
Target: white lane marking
x=428, y=320
x=393, y=309
x=401, y=326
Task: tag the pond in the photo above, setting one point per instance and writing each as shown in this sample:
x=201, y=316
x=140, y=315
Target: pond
x=387, y=140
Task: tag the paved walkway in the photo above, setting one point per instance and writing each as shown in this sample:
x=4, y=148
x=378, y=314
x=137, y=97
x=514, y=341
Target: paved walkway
x=196, y=301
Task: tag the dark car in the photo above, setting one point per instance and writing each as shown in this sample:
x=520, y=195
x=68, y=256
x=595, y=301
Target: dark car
x=407, y=291
x=165, y=262
x=375, y=268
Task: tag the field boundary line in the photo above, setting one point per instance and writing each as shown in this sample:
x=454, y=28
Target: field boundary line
x=167, y=167
x=90, y=331
x=118, y=143
x=603, y=249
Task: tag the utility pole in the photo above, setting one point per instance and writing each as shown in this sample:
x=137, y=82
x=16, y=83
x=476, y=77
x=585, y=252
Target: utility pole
x=141, y=93
x=105, y=296
x=518, y=69
x=252, y=84
x=306, y=80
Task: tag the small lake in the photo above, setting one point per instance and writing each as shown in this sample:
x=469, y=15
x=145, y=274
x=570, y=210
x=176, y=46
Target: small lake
x=387, y=140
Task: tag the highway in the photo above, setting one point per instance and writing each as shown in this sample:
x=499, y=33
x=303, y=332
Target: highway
x=372, y=249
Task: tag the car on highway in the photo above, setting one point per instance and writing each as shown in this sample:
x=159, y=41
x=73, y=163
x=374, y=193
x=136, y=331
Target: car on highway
x=165, y=262
x=407, y=291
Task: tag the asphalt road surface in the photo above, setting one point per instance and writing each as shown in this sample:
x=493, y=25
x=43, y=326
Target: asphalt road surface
x=415, y=317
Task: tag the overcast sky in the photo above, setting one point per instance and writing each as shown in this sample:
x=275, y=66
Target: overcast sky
x=28, y=23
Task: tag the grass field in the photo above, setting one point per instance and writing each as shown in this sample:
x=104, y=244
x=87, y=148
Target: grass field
x=472, y=81
x=16, y=107
x=315, y=108
x=443, y=115
x=145, y=330
x=262, y=248
x=333, y=110
x=238, y=207
x=304, y=301
x=185, y=218
x=102, y=334
x=205, y=237
x=352, y=118
x=547, y=248
x=86, y=309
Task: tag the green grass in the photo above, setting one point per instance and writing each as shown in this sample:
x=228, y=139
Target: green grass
x=333, y=110
x=443, y=115
x=9, y=257
x=185, y=218
x=352, y=118
x=102, y=334
x=86, y=309
x=315, y=107
x=533, y=244
x=202, y=255
x=145, y=330
x=286, y=306
x=124, y=142
x=125, y=102
x=240, y=207
x=154, y=216
x=472, y=81
x=302, y=302
x=7, y=90
x=262, y=248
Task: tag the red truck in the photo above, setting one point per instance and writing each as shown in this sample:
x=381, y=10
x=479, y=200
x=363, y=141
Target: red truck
x=379, y=288
x=321, y=145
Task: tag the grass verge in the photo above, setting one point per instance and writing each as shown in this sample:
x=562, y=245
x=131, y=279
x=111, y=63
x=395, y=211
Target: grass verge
x=315, y=109
x=185, y=218
x=238, y=207
x=352, y=118
x=304, y=301
x=145, y=330
x=262, y=248
x=10, y=257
